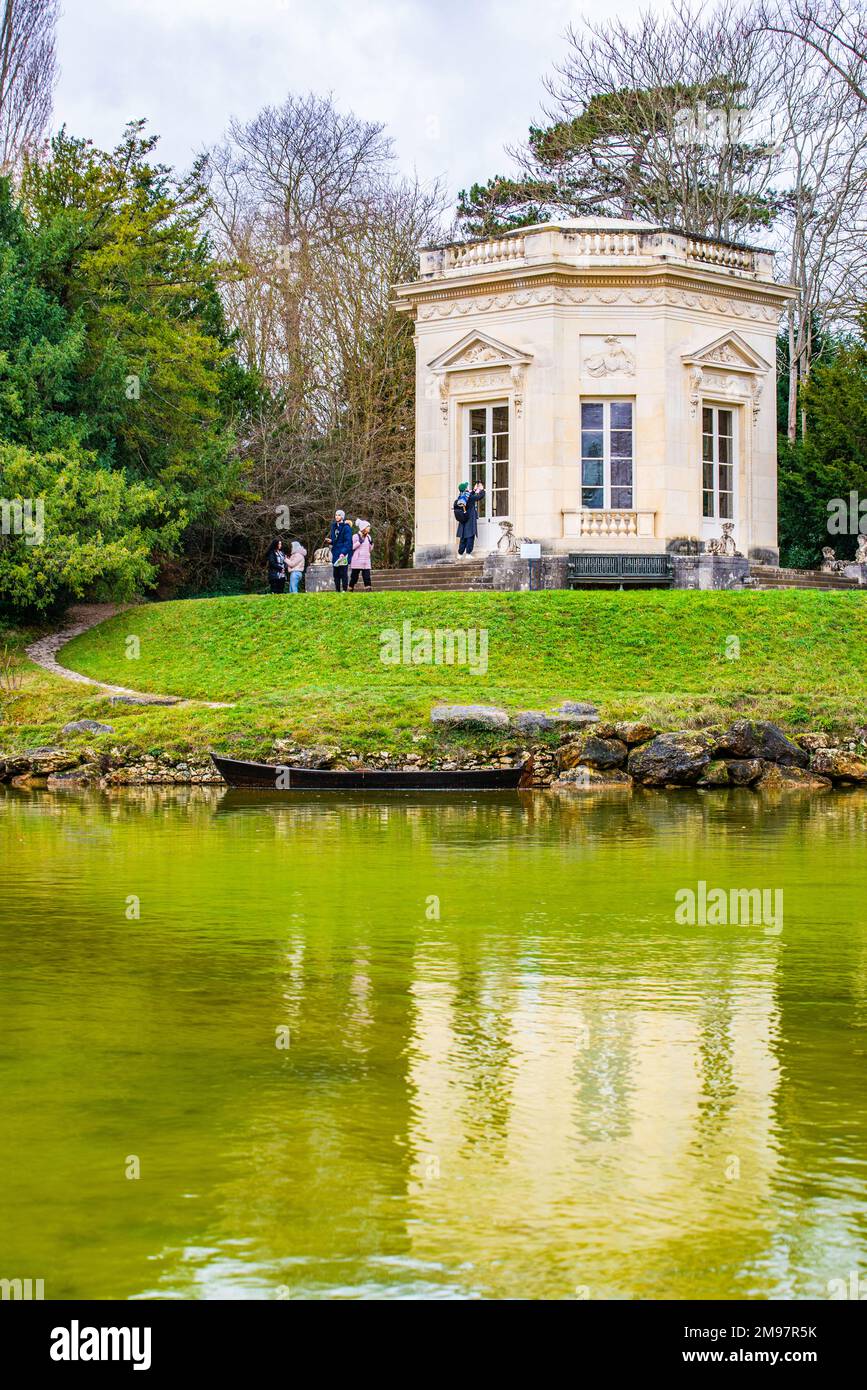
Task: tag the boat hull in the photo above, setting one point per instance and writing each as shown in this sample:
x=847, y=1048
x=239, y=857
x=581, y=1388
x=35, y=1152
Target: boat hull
x=285, y=778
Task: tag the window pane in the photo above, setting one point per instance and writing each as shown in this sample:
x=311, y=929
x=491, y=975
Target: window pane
x=477, y=421
x=500, y=443
x=621, y=472
x=477, y=473
x=592, y=415
x=501, y=474
x=707, y=446
x=477, y=448
x=500, y=415
x=622, y=497
x=707, y=476
x=725, y=422
x=725, y=506
x=621, y=415
x=501, y=502
x=591, y=473
x=591, y=497
x=591, y=444
x=707, y=421
x=621, y=444
x=707, y=504
x=725, y=445
x=725, y=477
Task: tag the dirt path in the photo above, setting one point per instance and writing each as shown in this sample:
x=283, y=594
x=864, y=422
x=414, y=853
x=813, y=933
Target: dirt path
x=81, y=617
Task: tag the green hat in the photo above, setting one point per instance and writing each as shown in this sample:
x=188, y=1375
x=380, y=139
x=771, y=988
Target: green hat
x=463, y=487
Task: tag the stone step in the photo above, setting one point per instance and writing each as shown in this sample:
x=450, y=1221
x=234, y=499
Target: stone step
x=434, y=578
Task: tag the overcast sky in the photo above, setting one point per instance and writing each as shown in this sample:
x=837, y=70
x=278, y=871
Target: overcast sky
x=453, y=80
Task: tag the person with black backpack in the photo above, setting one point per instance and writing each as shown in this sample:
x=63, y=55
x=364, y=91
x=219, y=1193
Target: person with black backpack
x=466, y=513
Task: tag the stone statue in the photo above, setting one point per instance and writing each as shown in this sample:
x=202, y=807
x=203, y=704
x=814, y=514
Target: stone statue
x=831, y=565
x=861, y=552
x=725, y=544
x=509, y=543
x=322, y=556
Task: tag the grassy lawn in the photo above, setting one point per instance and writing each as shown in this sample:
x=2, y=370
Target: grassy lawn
x=311, y=668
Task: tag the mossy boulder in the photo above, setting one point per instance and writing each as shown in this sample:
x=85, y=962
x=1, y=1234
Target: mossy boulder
x=634, y=731
x=759, y=738
x=839, y=765
x=777, y=777
x=716, y=774
x=744, y=772
x=677, y=759
x=592, y=751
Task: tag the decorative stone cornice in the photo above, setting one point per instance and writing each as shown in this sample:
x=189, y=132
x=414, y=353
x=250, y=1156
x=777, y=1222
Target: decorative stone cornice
x=624, y=291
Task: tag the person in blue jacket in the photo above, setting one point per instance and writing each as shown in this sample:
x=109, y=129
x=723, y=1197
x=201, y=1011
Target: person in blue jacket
x=466, y=512
x=340, y=536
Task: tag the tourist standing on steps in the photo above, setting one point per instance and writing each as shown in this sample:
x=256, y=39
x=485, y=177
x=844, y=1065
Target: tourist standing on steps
x=295, y=565
x=466, y=511
x=277, y=567
x=340, y=537
x=362, y=545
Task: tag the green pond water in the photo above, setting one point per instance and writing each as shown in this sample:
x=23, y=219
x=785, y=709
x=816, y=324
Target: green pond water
x=505, y=1068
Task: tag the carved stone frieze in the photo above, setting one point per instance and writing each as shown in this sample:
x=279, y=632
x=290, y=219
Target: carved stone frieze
x=659, y=296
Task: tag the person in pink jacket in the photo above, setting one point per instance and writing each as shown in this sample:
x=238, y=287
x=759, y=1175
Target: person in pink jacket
x=362, y=545
x=295, y=566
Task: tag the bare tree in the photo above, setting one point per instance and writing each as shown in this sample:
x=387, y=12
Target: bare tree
x=28, y=72
x=667, y=118
x=824, y=203
x=294, y=180
x=724, y=120
x=835, y=30
x=308, y=209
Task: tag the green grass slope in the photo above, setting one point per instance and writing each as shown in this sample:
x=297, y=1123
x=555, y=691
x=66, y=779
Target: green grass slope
x=311, y=667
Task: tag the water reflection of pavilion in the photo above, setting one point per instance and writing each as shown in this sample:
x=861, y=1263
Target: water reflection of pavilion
x=588, y=1134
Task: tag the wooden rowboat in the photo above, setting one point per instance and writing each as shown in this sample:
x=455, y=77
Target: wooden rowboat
x=285, y=778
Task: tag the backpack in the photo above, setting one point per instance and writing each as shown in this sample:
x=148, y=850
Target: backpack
x=459, y=507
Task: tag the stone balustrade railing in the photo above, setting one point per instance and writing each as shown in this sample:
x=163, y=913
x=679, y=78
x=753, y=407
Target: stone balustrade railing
x=578, y=245
x=482, y=253
x=611, y=522
x=718, y=253
x=606, y=243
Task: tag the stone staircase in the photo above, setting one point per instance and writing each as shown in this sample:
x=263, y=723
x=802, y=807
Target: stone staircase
x=468, y=576
x=433, y=578
x=768, y=577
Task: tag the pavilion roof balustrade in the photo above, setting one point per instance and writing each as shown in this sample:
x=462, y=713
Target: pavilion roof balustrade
x=588, y=247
